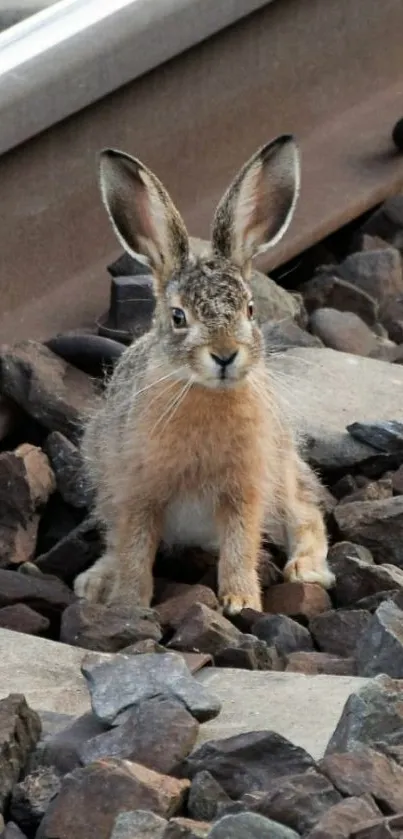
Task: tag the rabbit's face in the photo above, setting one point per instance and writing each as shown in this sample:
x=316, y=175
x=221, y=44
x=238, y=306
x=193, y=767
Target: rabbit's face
x=208, y=313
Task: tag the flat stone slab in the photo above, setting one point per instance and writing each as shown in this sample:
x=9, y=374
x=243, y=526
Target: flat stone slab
x=305, y=709
x=324, y=390
x=47, y=673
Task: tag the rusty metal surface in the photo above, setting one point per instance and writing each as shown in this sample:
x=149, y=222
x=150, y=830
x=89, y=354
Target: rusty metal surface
x=329, y=72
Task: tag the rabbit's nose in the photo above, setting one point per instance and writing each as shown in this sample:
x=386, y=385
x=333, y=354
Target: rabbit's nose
x=224, y=360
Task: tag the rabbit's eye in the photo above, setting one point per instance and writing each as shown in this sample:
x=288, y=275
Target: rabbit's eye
x=251, y=310
x=179, y=318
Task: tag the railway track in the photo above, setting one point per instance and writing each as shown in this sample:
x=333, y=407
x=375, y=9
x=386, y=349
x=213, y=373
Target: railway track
x=192, y=88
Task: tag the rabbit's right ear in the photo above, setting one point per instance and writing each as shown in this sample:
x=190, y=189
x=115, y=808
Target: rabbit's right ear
x=257, y=208
x=144, y=218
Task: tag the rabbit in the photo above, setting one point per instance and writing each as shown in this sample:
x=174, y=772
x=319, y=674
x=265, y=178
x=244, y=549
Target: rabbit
x=189, y=445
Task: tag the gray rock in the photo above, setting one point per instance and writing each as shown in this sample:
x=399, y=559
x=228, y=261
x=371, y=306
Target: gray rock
x=384, y=436
x=250, y=826
x=248, y=762
x=380, y=647
x=20, y=728
x=61, y=742
x=343, y=331
x=204, y=630
x=68, y=467
x=139, y=824
x=12, y=831
x=324, y=391
x=337, y=631
x=205, y=796
x=377, y=272
x=159, y=733
x=283, y=633
x=327, y=290
x=74, y=553
x=356, y=577
x=94, y=626
x=378, y=525
x=283, y=335
x=121, y=682
x=31, y=798
x=249, y=653
x=181, y=828
x=366, y=771
x=372, y=716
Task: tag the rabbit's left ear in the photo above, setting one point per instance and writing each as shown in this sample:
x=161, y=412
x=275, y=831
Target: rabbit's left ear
x=257, y=208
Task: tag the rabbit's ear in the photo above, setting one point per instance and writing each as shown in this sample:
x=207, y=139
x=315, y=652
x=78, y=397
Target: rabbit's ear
x=257, y=208
x=144, y=218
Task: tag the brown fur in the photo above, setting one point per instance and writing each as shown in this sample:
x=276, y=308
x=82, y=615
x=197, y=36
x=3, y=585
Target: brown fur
x=177, y=433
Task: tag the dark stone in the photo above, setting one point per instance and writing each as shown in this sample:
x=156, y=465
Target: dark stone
x=204, y=630
x=205, y=796
x=283, y=633
x=371, y=603
x=47, y=595
x=21, y=618
x=357, y=576
x=248, y=762
x=378, y=525
x=62, y=740
x=92, y=798
x=173, y=610
x=68, y=467
x=372, y=491
x=159, y=733
x=380, y=647
x=50, y=390
x=366, y=771
x=249, y=653
x=20, y=729
x=328, y=290
x=337, y=631
x=94, y=626
x=386, y=436
x=31, y=798
x=372, y=716
x=12, y=831
x=376, y=272
x=76, y=552
x=117, y=683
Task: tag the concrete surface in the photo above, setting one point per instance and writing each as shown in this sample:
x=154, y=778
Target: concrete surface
x=47, y=673
x=324, y=390
x=305, y=709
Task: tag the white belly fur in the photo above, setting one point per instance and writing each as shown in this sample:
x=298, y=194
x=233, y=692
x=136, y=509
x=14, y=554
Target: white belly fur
x=189, y=522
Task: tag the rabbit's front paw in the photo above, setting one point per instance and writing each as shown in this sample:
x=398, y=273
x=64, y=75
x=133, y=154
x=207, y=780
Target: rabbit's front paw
x=307, y=569
x=99, y=583
x=235, y=603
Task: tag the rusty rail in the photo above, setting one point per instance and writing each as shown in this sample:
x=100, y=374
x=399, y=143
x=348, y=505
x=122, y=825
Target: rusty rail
x=330, y=73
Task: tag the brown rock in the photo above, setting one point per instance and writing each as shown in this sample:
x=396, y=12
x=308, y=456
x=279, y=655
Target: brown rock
x=342, y=818
x=391, y=316
x=248, y=762
x=47, y=595
x=344, y=486
x=26, y=481
x=91, y=798
x=49, y=389
x=377, y=525
x=298, y=801
x=203, y=630
x=158, y=733
x=106, y=628
x=357, y=577
x=387, y=221
x=316, y=663
x=397, y=481
x=387, y=828
x=380, y=647
x=172, y=611
x=377, y=272
x=297, y=600
x=328, y=290
x=366, y=242
x=285, y=334
x=21, y=618
x=337, y=632
x=366, y=771
x=343, y=331
x=20, y=729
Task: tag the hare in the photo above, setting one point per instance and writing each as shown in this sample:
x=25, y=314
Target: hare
x=189, y=446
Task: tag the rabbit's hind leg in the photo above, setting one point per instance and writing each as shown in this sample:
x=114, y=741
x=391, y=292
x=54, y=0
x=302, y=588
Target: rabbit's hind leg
x=306, y=531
